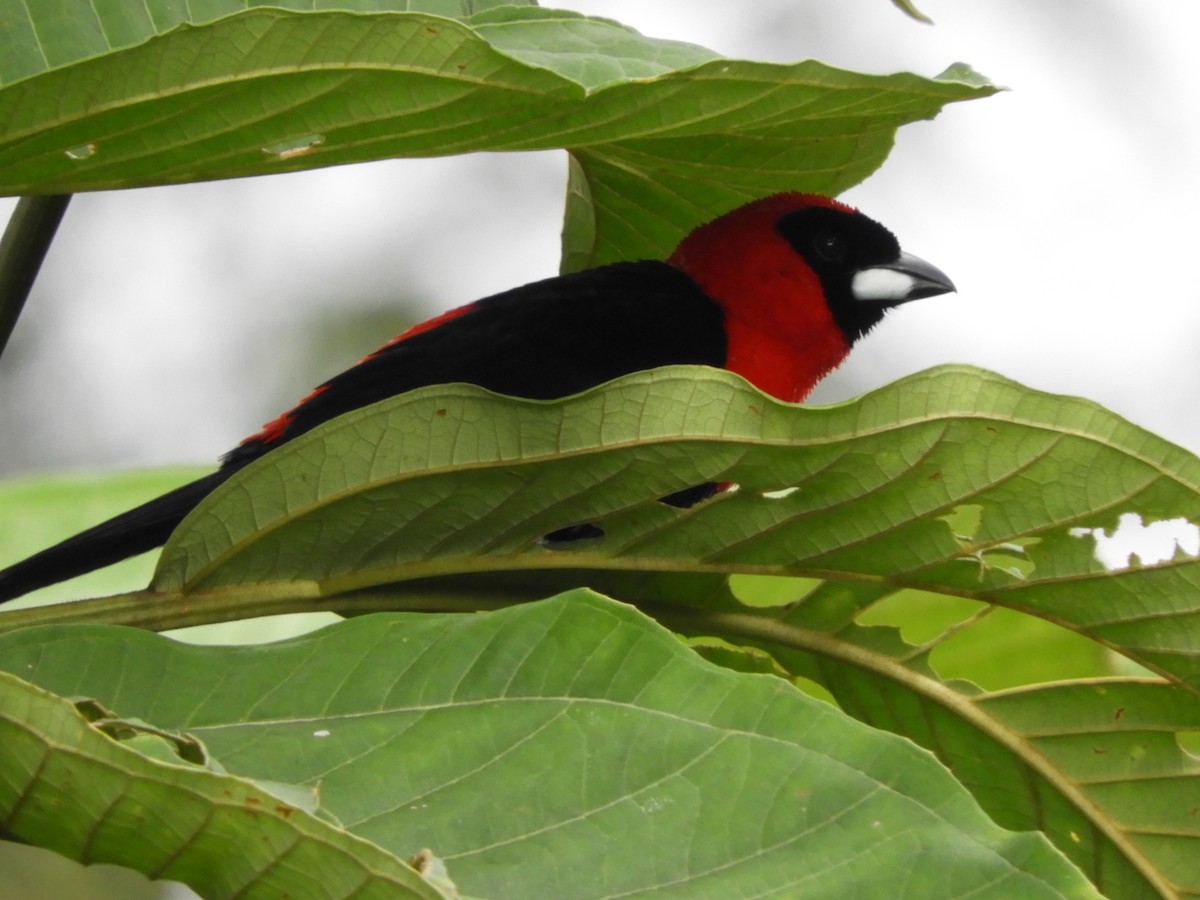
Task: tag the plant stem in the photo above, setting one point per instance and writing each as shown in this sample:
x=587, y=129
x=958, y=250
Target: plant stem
x=163, y=612
x=22, y=249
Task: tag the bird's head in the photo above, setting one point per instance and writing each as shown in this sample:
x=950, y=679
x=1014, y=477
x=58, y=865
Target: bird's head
x=859, y=264
x=800, y=278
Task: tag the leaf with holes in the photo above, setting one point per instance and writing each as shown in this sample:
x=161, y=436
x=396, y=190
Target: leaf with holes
x=956, y=482
x=66, y=783
x=1095, y=763
x=953, y=485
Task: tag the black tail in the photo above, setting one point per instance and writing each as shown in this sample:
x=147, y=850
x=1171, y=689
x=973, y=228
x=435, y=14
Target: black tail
x=141, y=529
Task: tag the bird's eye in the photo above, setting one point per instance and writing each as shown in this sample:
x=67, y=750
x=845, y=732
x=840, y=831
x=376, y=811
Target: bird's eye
x=830, y=246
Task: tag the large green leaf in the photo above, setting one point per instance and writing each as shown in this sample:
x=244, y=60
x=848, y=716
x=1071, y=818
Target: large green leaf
x=954, y=484
x=954, y=481
x=568, y=748
x=1094, y=763
x=99, y=789
x=662, y=134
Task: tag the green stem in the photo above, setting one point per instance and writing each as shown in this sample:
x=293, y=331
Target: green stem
x=22, y=249
x=163, y=612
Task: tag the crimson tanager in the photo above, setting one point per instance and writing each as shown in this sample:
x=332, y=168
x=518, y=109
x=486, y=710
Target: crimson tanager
x=777, y=291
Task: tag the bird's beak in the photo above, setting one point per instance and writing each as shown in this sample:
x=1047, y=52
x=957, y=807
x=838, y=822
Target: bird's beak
x=907, y=278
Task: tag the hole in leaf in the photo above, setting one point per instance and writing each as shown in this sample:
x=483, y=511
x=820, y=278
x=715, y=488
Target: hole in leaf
x=163, y=745
x=83, y=151
x=433, y=869
x=572, y=534
x=295, y=147
x=779, y=494
x=964, y=521
x=92, y=710
x=689, y=497
x=771, y=590
x=993, y=647
x=1010, y=557
x=1149, y=543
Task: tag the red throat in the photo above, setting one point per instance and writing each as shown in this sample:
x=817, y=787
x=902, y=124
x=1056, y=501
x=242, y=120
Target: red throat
x=782, y=336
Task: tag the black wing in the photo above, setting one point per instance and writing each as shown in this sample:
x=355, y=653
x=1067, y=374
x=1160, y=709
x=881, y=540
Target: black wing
x=545, y=340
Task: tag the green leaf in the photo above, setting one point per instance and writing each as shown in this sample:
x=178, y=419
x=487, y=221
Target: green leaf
x=910, y=10
x=568, y=748
x=1096, y=764
x=954, y=485
x=1117, y=743
x=451, y=480
x=956, y=482
x=991, y=646
x=68, y=787
x=662, y=134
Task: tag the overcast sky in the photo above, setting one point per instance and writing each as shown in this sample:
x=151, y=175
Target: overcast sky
x=170, y=322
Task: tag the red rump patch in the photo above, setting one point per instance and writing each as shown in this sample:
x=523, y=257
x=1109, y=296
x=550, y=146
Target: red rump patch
x=274, y=429
x=427, y=325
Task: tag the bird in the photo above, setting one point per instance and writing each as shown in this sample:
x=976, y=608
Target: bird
x=777, y=290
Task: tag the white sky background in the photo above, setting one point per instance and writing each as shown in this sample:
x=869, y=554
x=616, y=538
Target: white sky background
x=171, y=322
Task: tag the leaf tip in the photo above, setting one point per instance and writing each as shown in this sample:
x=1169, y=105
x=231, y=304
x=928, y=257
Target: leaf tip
x=907, y=7
x=962, y=73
